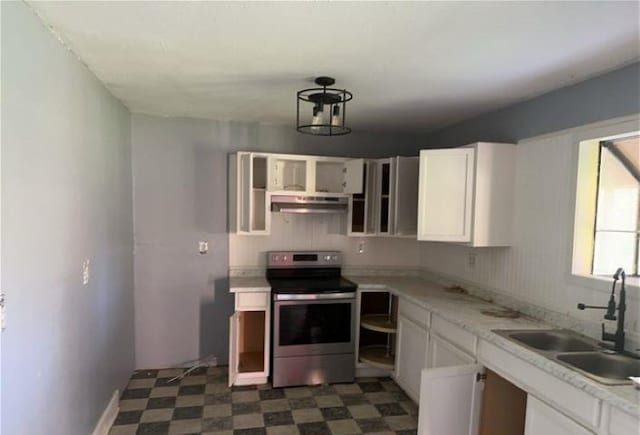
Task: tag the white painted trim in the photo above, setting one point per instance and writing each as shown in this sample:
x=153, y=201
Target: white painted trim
x=608, y=129
x=603, y=283
x=108, y=416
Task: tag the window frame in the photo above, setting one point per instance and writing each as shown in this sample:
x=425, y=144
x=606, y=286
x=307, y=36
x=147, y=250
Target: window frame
x=636, y=259
x=578, y=271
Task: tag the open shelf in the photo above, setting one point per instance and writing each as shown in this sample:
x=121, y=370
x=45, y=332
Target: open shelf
x=251, y=342
x=378, y=327
x=377, y=356
x=251, y=362
x=379, y=323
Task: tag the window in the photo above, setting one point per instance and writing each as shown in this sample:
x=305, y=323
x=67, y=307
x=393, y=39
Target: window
x=607, y=219
x=616, y=234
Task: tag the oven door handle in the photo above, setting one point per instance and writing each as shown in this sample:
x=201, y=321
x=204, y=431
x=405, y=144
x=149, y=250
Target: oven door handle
x=313, y=297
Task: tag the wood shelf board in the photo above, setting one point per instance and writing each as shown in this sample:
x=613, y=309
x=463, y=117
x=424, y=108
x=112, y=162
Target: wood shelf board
x=376, y=356
x=251, y=362
x=379, y=323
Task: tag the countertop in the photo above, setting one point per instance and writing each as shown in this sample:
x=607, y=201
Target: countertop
x=243, y=284
x=465, y=311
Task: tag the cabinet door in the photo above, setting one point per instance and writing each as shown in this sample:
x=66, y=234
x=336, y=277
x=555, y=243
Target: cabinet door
x=450, y=400
x=289, y=173
x=444, y=354
x=353, y=173
x=359, y=204
x=406, y=196
x=233, y=347
x=411, y=356
x=245, y=208
x=445, y=198
x=542, y=419
x=385, y=200
x=370, y=198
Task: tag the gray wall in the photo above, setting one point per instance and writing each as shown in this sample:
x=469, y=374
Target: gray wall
x=604, y=97
x=180, y=191
x=66, y=197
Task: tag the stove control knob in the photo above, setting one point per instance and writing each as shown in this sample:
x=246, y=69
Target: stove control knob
x=276, y=258
x=334, y=258
x=284, y=258
x=327, y=257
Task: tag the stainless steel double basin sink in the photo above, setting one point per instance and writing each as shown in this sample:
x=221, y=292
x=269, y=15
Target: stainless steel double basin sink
x=578, y=353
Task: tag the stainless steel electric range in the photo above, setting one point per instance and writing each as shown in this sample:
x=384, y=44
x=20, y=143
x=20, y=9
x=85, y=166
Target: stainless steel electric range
x=313, y=318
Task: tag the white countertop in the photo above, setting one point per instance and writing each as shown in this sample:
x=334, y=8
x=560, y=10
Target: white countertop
x=243, y=284
x=465, y=311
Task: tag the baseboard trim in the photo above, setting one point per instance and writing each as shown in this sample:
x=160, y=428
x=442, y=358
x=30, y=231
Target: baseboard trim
x=108, y=416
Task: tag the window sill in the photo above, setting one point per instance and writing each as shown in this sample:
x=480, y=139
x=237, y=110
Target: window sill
x=603, y=283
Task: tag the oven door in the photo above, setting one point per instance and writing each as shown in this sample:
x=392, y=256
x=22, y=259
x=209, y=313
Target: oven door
x=317, y=324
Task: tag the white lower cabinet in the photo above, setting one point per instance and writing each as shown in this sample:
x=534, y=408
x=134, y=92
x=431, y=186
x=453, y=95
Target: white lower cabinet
x=249, y=339
x=450, y=390
x=617, y=422
x=541, y=419
x=450, y=400
x=411, y=356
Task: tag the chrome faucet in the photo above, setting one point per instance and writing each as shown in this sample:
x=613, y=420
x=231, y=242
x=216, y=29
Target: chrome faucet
x=618, y=337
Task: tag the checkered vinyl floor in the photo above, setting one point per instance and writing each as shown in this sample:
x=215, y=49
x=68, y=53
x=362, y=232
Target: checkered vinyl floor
x=202, y=403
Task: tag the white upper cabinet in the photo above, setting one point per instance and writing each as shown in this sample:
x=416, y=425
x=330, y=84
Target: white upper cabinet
x=338, y=176
x=289, y=173
x=406, y=196
x=388, y=203
x=466, y=194
x=384, y=198
x=254, y=177
x=361, y=219
x=248, y=198
x=311, y=175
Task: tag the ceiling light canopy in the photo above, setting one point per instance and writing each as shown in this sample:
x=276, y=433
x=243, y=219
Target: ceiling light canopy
x=321, y=111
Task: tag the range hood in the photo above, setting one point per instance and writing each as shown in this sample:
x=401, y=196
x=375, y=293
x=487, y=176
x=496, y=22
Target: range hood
x=308, y=204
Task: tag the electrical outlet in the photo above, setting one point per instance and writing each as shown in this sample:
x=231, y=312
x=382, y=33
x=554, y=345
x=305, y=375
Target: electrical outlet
x=2, y=313
x=85, y=272
x=361, y=247
x=203, y=247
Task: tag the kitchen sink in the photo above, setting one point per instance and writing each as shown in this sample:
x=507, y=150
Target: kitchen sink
x=608, y=368
x=577, y=352
x=553, y=340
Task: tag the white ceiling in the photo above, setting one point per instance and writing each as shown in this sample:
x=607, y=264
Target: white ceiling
x=411, y=66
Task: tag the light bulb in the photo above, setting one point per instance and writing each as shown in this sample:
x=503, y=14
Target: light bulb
x=335, y=118
x=318, y=114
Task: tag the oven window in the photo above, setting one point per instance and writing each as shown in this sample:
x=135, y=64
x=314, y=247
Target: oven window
x=311, y=323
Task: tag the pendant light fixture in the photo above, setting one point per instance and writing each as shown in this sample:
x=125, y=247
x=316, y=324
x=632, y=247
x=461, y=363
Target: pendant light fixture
x=321, y=111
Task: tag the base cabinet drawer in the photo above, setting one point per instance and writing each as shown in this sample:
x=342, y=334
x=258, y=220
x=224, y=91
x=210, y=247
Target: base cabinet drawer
x=541, y=419
x=416, y=314
x=252, y=301
x=463, y=339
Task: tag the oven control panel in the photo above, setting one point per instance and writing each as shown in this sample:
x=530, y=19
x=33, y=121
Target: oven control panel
x=304, y=259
